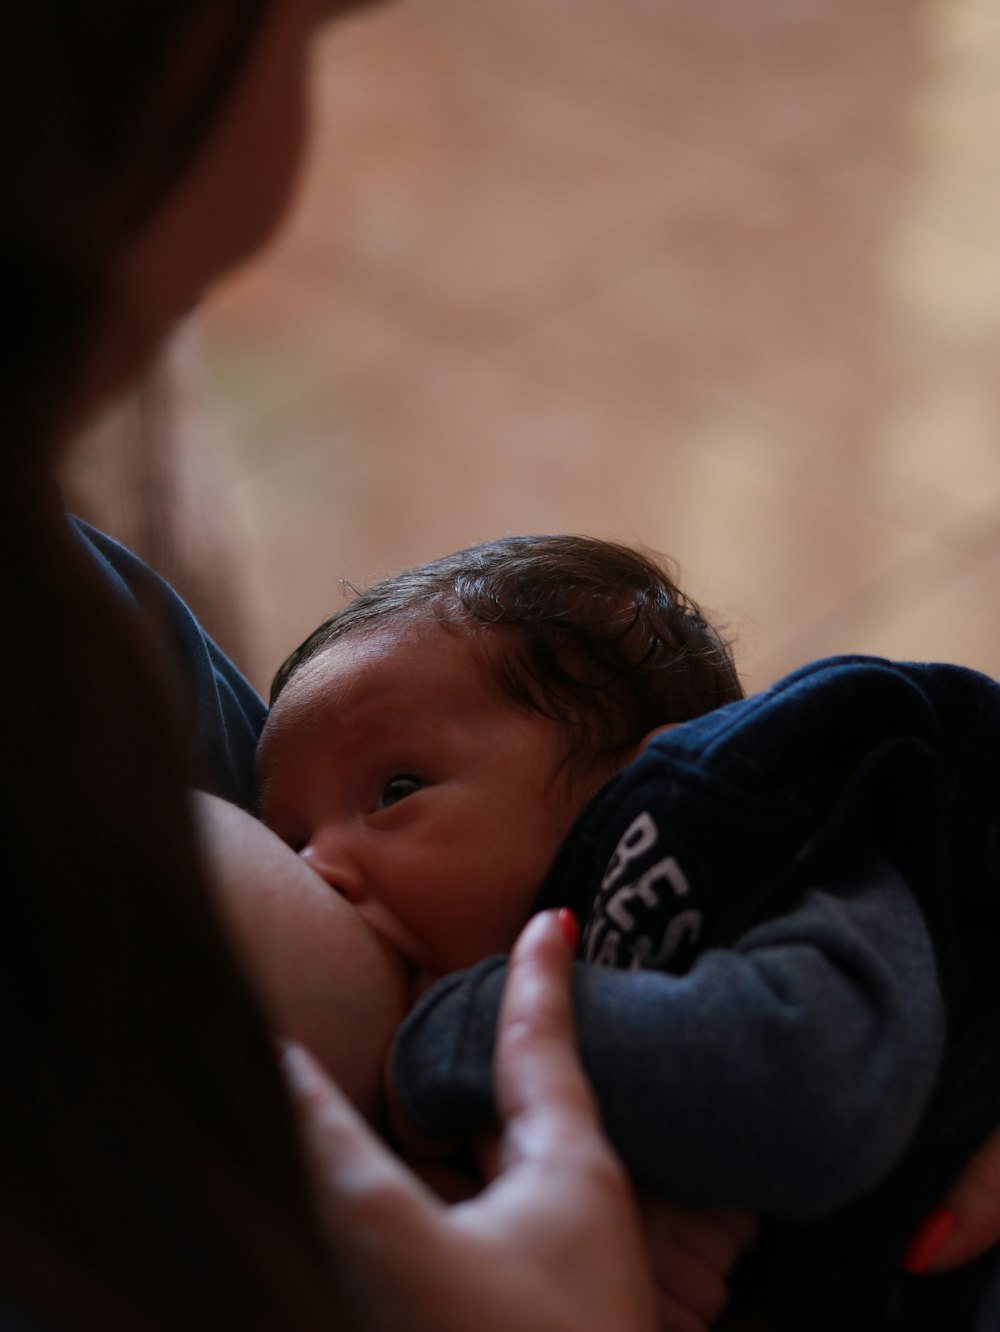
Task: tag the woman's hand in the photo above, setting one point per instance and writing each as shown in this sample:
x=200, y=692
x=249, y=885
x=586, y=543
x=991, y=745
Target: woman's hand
x=552, y=1243
x=968, y=1220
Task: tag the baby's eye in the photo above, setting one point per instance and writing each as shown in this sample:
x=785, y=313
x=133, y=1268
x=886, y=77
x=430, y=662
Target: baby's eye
x=397, y=789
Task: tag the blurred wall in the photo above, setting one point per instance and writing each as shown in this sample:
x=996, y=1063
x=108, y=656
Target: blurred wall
x=721, y=278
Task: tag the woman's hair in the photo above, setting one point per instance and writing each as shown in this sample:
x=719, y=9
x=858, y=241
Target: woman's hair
x=101, y=106
x=594, y=635
x=149, y=1172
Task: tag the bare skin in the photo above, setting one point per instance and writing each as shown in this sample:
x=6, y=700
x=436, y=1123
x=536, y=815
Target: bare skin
x=323, y=975
x=974, y=1201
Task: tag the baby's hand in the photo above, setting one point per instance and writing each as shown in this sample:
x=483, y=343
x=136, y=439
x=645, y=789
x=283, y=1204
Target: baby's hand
x=443, y=1166
x=692, y=1253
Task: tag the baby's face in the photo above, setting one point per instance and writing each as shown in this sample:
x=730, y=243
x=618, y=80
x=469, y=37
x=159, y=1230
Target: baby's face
x=395, y=769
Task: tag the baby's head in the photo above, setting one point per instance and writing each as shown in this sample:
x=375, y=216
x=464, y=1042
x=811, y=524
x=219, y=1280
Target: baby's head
x=430, y=744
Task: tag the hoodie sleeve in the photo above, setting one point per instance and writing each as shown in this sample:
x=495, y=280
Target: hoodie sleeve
x=786, y=1073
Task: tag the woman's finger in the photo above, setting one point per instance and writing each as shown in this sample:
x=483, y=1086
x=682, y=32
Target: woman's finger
x=968, y=1220
x=561, y=1188
x=543, y=1098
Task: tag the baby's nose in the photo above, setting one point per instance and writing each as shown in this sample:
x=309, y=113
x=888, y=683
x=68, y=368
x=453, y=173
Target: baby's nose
x=334, y=867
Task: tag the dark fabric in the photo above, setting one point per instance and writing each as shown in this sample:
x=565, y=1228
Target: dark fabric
x=222, y=714
x=12, y=1321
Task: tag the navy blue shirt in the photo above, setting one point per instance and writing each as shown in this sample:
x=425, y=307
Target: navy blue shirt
x=222, y=714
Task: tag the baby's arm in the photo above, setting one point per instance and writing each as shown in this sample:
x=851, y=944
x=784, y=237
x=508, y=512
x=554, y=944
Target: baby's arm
x=324, y=978
x=786, y=1074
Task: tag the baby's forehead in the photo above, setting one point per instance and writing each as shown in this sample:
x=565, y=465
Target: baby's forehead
x=400, y=662
x=415, y=640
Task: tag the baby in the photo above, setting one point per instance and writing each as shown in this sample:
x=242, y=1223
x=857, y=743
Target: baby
x=786, y=992
x=430, y=745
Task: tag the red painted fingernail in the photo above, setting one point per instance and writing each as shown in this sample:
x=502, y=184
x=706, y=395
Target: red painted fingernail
x=570, y=928
x=929, y=1240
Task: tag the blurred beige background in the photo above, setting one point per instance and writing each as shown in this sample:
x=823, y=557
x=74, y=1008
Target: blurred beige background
x=717, y=276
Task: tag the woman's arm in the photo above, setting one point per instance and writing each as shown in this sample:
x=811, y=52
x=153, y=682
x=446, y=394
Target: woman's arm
x=324, y=978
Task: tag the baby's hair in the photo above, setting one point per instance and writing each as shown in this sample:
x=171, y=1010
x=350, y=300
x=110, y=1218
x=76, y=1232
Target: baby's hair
x=597, y=636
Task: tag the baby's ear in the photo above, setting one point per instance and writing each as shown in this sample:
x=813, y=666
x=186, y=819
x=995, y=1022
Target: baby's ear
x=650, y=735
